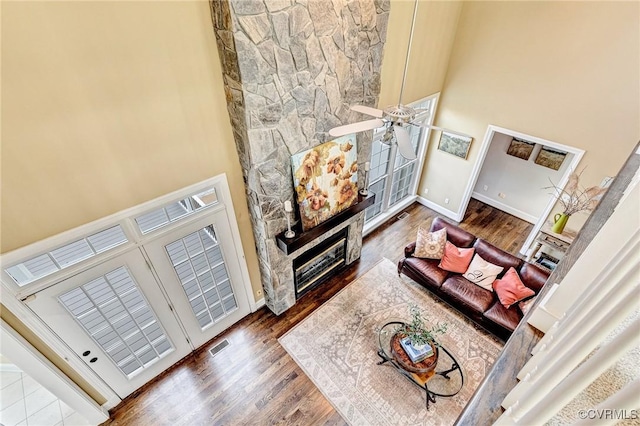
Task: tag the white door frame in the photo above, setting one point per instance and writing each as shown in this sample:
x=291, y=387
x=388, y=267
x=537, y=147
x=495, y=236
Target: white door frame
x=33, y=363
x=484, y=148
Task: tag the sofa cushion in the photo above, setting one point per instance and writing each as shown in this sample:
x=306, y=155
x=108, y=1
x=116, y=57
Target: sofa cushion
x=456, y=259
x=510, y=289
x=428, y=270
x=467, y=293
x=458, y=236
x=533, y=277
x=482, y=273
x=496, y=256
x=526, y=305
x=507, y=318
x=430, y=245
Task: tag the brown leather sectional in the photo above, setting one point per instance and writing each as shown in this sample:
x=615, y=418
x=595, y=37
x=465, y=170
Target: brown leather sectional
x=480, y=305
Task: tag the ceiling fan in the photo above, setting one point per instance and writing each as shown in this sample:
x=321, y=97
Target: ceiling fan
x=395, y=117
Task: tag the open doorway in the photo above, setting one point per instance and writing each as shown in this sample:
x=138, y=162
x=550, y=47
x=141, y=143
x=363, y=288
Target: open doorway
x=510, y=175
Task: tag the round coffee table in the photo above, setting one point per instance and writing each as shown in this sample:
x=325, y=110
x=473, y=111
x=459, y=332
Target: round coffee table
x=445, y=380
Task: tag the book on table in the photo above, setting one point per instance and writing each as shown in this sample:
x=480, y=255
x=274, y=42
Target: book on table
x=416, y=355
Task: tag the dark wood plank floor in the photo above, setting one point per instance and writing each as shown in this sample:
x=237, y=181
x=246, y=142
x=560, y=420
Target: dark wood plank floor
x=254, y=380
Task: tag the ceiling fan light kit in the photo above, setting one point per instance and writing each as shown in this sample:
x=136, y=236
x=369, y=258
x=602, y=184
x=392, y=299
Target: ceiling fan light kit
x=394, y=117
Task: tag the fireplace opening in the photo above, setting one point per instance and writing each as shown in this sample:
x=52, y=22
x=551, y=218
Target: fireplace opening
x=320, y=263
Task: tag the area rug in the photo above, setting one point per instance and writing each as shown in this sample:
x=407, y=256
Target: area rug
x=336, y=346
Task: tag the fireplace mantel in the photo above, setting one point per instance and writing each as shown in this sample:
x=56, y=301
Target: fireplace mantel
x=289, y=245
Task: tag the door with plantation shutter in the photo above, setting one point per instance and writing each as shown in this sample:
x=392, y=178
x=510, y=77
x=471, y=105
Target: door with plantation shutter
x=115, y=317
x=200, y=270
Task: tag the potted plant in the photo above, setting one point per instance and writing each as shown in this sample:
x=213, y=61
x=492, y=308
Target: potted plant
x=410, y=340
x=418, y=332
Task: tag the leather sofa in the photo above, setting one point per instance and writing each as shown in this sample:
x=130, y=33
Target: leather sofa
x=478, y=304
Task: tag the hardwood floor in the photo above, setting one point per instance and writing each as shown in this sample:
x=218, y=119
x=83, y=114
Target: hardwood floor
x=254, y=380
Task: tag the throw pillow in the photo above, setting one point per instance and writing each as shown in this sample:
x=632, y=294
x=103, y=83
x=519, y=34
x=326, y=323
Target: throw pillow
x=430, y=245
x=510, y=289
x=525, y=305
x=482, y=272
x=456, y=259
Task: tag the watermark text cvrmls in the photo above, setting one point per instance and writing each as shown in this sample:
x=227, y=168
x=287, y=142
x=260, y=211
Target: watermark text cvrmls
x=609, y=414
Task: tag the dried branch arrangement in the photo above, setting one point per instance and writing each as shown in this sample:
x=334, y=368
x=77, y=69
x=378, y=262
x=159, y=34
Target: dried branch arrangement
x=575, y=198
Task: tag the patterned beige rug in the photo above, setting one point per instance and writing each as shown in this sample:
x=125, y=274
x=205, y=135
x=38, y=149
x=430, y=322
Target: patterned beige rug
x=336, y=346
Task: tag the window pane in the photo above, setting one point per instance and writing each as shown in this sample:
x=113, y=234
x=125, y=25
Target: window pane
x=175, y=211
x=66, y=255
x=203, y=275
x=379, y=160
x=119, y=319
x=402, y=180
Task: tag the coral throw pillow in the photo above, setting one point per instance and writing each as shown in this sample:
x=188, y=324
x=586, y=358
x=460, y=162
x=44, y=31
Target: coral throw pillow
x=510, y=289
x=456, y=259
x=482, y=272
x=430, y=245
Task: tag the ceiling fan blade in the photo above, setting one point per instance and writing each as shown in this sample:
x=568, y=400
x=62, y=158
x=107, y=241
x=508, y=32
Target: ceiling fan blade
x=367, y=110
x=356, y=127
x=441, y=129
x=404, y=142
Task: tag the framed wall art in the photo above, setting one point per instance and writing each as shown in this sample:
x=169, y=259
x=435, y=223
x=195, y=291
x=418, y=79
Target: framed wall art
x=325, y=180
x=520, y=149
x=455, y=144
x=550, y=158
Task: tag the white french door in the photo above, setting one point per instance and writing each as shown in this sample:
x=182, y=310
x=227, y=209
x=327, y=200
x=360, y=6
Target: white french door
x=116, y=319
x=132, y=294
x=201, y=274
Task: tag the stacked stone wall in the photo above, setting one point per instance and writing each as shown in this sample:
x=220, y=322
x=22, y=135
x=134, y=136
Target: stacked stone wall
x=291, y=70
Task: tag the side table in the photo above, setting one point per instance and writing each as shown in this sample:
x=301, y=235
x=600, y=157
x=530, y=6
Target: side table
x=547, y=237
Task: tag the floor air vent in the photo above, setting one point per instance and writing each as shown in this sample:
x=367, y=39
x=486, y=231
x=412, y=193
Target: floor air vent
x=403, y=216
x=219, y=347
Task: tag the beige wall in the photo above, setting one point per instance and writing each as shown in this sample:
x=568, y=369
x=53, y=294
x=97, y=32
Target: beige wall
x=106, y=105
x=433, y=38
x=563, y=71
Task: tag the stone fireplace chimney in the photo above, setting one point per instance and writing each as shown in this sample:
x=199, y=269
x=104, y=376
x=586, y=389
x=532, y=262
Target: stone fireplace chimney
x=291, y=70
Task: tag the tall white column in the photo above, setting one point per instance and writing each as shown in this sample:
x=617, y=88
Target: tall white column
x=553, y=392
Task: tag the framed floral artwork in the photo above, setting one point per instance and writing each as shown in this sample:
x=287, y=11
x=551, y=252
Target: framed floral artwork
x=325, y=179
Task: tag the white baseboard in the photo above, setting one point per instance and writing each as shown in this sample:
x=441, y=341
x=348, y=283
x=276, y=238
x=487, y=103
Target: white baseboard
x=438, y=208
x=505, y=208
x=257, y=305
x=382, y=218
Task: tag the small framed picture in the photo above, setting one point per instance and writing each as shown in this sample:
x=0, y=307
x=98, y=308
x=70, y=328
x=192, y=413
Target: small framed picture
x=520, y=149
x=455, y=144
x=550, y=158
